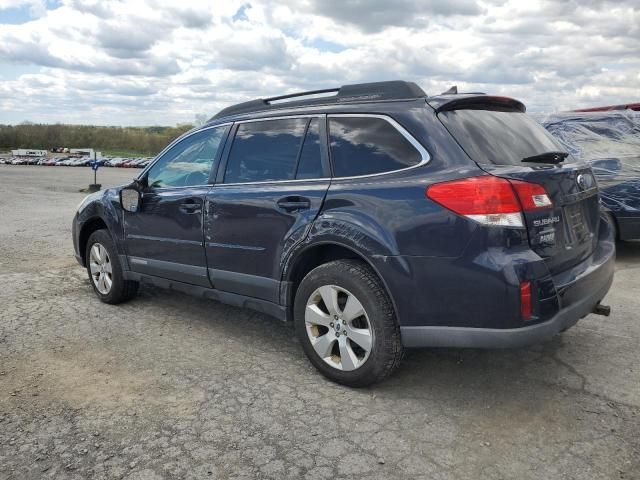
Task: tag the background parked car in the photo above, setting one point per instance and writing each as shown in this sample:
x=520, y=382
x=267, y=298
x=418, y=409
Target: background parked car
x=117, y=162
x=610, y=142
x=138, y=162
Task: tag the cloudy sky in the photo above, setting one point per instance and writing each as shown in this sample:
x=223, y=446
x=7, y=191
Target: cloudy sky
x=159, y=62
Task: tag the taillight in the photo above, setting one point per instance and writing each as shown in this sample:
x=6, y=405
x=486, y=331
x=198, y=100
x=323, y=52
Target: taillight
x=531, y=195
x=490, y=200
x=525, y=300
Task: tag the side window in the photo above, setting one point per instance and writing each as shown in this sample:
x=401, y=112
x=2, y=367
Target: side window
x=188, y=162
x=310, y=163
x=367, y=145
x=265, y=150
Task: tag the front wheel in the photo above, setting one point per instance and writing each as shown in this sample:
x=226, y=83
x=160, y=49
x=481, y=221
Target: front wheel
x=105, y=272
x=346, y=323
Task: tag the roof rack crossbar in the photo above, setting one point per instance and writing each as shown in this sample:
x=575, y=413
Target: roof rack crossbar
x=377, y=91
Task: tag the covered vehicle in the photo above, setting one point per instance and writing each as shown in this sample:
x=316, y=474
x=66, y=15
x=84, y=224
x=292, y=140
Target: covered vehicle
x=610, y=142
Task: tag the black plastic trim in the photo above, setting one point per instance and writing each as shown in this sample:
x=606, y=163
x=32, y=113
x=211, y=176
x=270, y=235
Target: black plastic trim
x=242, y=301
x=246, y=284
x=177, y=271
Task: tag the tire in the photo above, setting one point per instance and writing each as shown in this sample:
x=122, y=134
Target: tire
x=614, y=226
x=341, y=358
x=99, y=262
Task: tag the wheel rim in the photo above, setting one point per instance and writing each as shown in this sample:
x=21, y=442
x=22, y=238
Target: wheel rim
x=338, y=328
x=100, y=267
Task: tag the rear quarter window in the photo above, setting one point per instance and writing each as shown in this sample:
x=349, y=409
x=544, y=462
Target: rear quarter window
x=368, y=145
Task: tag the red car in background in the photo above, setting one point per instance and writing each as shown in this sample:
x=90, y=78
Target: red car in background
x=628, y=106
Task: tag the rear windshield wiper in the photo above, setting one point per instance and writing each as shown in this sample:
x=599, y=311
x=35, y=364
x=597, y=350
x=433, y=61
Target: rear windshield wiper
x=547, y=157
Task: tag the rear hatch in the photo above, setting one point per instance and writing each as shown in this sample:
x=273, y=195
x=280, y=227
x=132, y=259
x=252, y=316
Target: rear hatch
x=505, y=142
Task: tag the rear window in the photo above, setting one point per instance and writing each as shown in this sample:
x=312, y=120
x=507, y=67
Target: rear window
x=265, y=151
x=498, y=137
x=367, y=145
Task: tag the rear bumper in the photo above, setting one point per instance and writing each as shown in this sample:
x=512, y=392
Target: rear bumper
x=430, y=336
x=578, y=291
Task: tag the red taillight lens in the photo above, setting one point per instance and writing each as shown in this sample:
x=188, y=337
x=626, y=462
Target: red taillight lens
x=475, y=195
x=531, y=195
x=490, y=200
x=487, y=199
x=525, y=300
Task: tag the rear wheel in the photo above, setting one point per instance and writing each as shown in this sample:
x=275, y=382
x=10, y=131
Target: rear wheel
x=105, y=272
x=346, y=323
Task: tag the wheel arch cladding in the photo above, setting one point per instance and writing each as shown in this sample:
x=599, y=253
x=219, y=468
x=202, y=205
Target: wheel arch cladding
x=355, y=238
x=103, y=212
x=91, y=225
x=310, y=256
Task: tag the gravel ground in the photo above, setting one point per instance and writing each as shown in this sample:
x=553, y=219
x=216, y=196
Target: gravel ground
x=169, y=386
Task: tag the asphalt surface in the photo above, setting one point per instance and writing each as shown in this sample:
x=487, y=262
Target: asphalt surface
x=169, y=386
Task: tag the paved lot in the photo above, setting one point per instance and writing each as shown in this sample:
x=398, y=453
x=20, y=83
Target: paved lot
x=168, y=386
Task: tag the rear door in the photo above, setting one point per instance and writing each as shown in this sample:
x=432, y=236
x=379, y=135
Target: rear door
x=498, y=139
x=270, y=187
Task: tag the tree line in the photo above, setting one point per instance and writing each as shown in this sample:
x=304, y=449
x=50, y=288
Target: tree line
x=143, y=140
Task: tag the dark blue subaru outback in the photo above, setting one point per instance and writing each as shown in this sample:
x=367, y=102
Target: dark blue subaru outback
x=372, y=216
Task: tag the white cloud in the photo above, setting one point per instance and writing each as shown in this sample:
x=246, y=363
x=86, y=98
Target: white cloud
x=162, y=62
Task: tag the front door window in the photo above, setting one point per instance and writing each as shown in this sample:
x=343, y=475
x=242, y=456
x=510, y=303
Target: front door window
x=188, y=162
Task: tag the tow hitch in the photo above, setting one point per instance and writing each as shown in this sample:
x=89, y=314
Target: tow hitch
x=600, y=309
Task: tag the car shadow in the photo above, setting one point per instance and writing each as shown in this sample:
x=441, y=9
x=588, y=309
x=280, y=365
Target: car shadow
x=436, y=372
x=483, y=372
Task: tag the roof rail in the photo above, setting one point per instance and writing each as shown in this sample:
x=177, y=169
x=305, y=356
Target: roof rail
x=391, y=90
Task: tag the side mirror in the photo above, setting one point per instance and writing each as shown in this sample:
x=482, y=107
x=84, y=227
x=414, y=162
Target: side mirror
x=130, y=199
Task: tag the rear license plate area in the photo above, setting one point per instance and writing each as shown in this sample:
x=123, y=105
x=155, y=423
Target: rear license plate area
x=576, y=223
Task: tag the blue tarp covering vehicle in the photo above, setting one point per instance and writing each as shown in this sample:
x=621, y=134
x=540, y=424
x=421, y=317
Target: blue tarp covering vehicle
x=610, y=143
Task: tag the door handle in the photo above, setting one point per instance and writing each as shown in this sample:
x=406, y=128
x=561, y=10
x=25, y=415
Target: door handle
x=294, y=203
x=190, y=206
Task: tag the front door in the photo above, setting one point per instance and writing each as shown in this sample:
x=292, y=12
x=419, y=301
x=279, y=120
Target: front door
x=269, y=190
x=165, y=237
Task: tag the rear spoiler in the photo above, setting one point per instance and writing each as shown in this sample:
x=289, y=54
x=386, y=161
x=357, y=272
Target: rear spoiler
x=475, y=102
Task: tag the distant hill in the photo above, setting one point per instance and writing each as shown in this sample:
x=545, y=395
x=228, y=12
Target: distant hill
x=142, y=140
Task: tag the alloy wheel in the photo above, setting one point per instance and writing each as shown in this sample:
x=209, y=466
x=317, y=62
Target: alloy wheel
x=100, y=267
x=338, y=327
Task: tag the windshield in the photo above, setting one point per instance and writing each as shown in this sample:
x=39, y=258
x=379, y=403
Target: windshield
x=497, y=137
